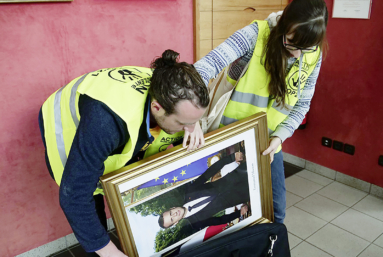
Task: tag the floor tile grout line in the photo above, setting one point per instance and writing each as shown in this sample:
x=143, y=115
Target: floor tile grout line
x=71, y=253
x=332, y=180
x=307, y=195
x=296, y=245
x=350, y=233
x=307, y=179
x=377, y=239
x=319, y=248
x=330, y=222
x=364, y=249
x=361, y=199
x=313, y=232
x=335, y=201
x=320, y=217
x=367, y=215
x=377, y=245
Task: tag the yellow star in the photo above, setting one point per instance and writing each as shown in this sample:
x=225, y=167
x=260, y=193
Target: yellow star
x=165, y=181
x=188, y=164
x=156, y=179
x=183, y=172
x=174, y=179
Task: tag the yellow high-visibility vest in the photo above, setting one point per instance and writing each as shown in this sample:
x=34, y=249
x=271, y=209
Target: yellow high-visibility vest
x=252, y=92
x=124, y=90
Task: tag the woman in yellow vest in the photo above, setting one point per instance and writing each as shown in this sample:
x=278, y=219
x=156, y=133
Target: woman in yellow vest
x=283, y=55
x=105, y=119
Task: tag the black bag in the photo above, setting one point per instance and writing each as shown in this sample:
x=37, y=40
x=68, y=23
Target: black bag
x=261, y=240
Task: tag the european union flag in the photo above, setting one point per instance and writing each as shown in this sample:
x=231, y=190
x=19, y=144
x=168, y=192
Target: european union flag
x=188, y=171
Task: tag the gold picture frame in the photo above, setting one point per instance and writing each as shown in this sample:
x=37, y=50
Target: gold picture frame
x=138, y=193
x=32, y=1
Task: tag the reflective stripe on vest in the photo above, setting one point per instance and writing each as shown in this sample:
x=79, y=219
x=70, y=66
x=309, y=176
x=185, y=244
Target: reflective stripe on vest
x=58, y=122
x=252, y=94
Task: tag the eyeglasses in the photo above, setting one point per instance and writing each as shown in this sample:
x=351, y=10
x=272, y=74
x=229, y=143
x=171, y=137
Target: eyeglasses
x=293, y=47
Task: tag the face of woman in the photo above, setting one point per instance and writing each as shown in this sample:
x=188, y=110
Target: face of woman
x=294, y=50
x=294, y=53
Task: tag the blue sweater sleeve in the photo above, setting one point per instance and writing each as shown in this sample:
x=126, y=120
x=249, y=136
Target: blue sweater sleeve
x=99, y=134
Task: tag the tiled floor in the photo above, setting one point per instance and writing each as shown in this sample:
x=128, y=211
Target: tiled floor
x=77, y=251
x=324, y=218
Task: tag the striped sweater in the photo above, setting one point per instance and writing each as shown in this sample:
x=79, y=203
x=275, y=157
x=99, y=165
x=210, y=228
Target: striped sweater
x=238, y=49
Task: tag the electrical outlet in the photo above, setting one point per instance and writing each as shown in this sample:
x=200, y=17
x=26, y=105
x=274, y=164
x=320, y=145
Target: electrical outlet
x=337, y=145
x=350, y=149
x=326, y=142
x=380, y=160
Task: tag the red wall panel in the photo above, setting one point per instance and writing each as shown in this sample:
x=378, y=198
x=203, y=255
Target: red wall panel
x=43, y=46
x=347, y=105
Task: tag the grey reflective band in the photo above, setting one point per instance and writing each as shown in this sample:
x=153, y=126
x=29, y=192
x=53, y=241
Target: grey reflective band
x=72, y=100
x=271, y=131
x=249, y=98
x=281, y=109
x=226, y=120
x=59, y=128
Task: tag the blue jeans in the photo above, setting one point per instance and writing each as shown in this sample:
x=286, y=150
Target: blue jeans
x=279, y=190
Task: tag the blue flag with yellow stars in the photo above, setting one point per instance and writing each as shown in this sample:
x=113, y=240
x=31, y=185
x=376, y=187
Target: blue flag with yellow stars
x=188, y=171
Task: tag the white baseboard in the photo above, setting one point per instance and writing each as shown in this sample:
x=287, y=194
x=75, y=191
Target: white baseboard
x=57, y=245
x=335, y=175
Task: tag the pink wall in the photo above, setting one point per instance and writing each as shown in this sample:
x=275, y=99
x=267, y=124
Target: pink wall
x=347, y=104
x=43, y=46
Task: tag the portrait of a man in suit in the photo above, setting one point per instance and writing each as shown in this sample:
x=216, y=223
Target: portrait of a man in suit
x=204, y=197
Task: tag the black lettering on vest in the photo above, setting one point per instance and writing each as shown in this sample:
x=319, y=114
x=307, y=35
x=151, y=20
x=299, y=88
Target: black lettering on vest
x=170, y=139
x=139, y=89
x=124, y=75
x=293, y=81
x=163, y=147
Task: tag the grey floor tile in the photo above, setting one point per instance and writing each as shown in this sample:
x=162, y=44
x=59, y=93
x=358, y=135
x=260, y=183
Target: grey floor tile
x=371, y=206
x=321, y=207
x=360, y=224
x=338, y=242
x=342, y=194
x=301, y=187
x=293, y=240
x=301, y=223
x=372, y=251
x=292, y=199
x=307, y=250
x=379, y=241
x=319, y=179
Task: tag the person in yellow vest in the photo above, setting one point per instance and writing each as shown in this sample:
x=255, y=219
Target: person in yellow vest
x=108, y=118
x=283, y=55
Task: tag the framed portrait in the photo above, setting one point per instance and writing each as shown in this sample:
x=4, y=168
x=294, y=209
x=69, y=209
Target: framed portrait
x=175, y=200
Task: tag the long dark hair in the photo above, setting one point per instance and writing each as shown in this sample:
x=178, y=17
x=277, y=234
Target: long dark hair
x=307, y=19
x=173, y=81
